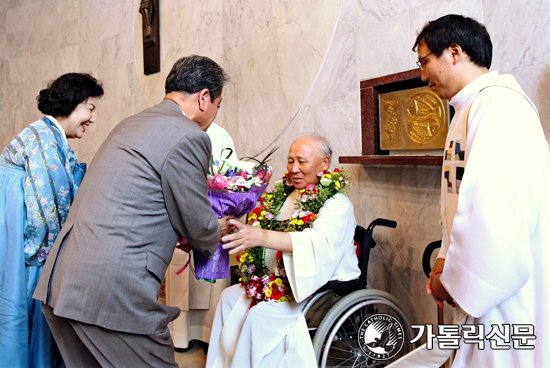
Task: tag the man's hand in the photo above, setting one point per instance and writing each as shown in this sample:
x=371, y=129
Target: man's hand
x=225, y=226
x=251, y=236
x=247, y=237
x=435, y=288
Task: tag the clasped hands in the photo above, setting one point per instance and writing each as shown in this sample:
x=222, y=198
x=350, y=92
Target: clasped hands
x=225, y=228
x=435, y=288
x=247, y=237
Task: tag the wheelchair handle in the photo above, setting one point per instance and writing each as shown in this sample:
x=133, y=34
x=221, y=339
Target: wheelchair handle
x=427, y=256
x=382, y=222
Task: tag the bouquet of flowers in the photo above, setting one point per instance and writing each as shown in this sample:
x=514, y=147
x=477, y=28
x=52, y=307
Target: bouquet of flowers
x=254, y=275
x=234, y=187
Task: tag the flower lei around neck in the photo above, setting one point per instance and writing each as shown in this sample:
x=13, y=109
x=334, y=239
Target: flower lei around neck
x=253, y=273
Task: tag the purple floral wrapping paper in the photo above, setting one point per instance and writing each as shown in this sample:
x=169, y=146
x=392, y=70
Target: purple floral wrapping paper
x=224, y=204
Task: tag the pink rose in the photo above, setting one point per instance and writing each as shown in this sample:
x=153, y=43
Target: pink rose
x=218, y=182
x=310, y=186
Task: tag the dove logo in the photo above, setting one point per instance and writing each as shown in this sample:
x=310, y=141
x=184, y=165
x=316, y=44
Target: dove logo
x=381, y=337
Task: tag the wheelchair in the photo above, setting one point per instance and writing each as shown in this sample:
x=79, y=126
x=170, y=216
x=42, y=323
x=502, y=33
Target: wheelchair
x=336, y=334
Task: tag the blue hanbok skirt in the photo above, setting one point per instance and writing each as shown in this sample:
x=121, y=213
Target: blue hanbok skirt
x=25, y=338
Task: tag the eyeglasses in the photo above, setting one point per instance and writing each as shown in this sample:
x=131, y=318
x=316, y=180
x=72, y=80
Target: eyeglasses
x=419, y=62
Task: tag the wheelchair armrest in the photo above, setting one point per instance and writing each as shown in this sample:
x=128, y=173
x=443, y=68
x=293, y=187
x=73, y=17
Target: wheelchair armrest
x=344, y=285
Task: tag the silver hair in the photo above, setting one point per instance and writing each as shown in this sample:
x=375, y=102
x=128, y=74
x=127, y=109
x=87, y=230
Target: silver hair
x=322, y=144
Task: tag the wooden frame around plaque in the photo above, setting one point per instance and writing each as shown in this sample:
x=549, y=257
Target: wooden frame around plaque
x=371, y=153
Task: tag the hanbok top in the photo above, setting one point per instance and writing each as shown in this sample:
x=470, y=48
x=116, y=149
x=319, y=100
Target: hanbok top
x=52, y=176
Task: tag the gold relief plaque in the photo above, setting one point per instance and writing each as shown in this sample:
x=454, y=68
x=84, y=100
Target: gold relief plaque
x=413, y=119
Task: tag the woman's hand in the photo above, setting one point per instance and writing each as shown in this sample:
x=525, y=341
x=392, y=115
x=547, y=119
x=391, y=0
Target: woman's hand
x=246, y=237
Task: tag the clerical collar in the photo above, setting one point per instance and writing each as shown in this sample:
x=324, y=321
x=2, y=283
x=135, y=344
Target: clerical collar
x=473, y=87
x=287, y=208
x=58, y=126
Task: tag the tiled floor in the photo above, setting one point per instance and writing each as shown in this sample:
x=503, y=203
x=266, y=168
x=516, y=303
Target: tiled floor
x=193, y=358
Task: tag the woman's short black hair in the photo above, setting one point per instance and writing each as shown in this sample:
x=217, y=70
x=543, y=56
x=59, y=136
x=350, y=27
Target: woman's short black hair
x=465, y=32
x=192, y=74
x=65, y=93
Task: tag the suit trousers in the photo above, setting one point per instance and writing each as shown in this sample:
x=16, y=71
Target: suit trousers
x=88, y=346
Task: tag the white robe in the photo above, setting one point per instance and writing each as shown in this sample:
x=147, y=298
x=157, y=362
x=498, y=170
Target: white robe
x=196, y=298
x=495, y=264
x=498, y=241
x=273, y=334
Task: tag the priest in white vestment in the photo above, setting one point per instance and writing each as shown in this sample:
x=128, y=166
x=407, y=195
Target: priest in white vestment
x=197, y=299
x=495, y=204
x=275, y=334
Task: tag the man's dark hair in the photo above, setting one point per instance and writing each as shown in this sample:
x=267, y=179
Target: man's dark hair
x=467, y=33
x=192, y=74
x=65, y=93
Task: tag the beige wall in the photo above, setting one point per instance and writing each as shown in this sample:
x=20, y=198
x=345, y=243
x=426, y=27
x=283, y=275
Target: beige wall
x=295, y=66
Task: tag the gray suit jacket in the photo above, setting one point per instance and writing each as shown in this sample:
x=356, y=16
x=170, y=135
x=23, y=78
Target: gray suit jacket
x=145, y=188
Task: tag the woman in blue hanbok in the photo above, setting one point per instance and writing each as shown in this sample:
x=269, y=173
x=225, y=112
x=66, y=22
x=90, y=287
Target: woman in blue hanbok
x=39, y=177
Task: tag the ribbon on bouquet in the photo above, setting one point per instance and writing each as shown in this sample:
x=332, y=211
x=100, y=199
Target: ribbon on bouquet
x=184, y=267
x=256, y=288
x=186, y=247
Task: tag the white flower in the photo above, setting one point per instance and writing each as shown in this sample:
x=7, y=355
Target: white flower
x=257, y=224
x=325, y=182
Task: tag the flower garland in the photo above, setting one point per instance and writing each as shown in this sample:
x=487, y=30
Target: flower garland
x=253, y=272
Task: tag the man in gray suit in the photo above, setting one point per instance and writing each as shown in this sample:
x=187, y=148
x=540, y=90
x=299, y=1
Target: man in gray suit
x=145, y=188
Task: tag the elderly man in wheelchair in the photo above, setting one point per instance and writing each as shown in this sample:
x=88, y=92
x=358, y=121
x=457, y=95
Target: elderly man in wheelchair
x=299, y=250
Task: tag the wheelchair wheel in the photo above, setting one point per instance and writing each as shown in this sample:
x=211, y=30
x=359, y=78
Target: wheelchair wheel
x=336, y=342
